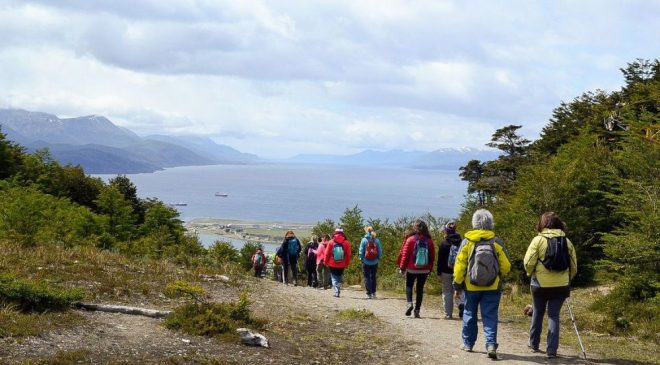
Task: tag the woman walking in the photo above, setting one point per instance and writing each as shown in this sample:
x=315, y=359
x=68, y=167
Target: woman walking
x=289, y=251
x=337, y=257
x=310, y=262
x=447, y=253
x=416, y=260
x=322, y=270
x=551, y=263
x=371, y=252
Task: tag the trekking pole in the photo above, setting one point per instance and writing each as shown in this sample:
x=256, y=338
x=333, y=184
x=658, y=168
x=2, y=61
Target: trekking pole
x=568, y=304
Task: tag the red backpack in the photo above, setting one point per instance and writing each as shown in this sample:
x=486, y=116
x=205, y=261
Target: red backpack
x=371, y=251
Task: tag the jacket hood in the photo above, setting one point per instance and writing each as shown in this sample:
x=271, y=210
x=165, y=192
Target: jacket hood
x=477, y=235
x=549, y=233
x=454, y=239
x=368, y=236
x=339, y=237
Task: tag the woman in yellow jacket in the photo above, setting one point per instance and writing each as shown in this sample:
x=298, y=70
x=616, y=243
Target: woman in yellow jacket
x=481, y=262
x=550, y=278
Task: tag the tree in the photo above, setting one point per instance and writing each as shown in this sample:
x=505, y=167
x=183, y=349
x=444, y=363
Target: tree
x=472, y=173
x=119, y=215
x=126, y=187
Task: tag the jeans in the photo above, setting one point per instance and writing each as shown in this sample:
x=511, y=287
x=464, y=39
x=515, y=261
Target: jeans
x=323, y=276
x=447, y=293
x=370, y=277
x=311, y=274
x=539, y=304
x=419, y=289
x=258, y=272
x=336, y=276
x=293, y=264
x=489, y=301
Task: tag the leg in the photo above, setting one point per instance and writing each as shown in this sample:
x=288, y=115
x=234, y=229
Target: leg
x=447, y=294
x=490, y=305
x=319, y=275
x=410, y=281
x=285, y=272
x=470, y=318
x=334, y=275
x=367, y=278
x=554, y=307
x=419, y=291
x=538, y=311
x=293, y=262
x=315, y=278
x=309, y=275
x=374, y=270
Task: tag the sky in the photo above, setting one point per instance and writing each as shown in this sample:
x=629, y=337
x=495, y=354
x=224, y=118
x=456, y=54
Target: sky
x=278, y=77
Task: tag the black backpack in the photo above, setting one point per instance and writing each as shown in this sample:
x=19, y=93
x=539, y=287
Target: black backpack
x=556, y=255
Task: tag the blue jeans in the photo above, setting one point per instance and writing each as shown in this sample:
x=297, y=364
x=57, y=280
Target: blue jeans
x=336, y=276
x=489, y=301
x=554, y=305
x=370, y=277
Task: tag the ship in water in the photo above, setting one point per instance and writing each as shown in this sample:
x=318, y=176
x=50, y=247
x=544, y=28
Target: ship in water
x=179, y=204
x=222, y=195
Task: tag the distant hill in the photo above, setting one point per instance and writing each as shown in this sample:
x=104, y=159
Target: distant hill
x=446, y=158
x=100, y=146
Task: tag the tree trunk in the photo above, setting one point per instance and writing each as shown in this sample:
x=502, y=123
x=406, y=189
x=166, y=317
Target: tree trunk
x=124, y=310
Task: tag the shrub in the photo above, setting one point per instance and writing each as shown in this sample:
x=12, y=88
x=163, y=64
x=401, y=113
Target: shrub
x=211, y=319
x=360, y=314
x=36, y=296
x=180, y=288
x=222, y=252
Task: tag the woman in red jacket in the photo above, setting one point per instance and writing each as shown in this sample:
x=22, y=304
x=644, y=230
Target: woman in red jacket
x=416, y=260
x=337, y=258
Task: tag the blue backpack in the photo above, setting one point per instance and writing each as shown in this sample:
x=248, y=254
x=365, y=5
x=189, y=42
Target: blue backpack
x=421, y=252
x=338, y=252
x=453, y=253
x=293, y=246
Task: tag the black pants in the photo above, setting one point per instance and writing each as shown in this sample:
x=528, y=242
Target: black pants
x=419, y=290
x=258, y=271
x=293, y=263
x=312, y=279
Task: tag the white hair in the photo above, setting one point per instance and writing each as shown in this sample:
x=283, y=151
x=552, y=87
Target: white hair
x=482, y=219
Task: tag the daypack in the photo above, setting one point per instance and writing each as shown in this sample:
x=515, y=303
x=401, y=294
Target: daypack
x=338, y=252
x=453, y=252
x=311, y=254
x=371, y=250
x=293, y=247
x=556, y=256
x=421, y=252
x=259, y=260
x=483, y=267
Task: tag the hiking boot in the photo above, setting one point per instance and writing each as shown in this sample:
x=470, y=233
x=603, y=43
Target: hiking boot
x=461, y=308
x=492, y=352
x=369, y=296
x=373, y=295
x=551, y=356
x=336, y=295
x=447, y=316
x=533, y=349
x=466, y=348
x=410, y=309
x=417, y=314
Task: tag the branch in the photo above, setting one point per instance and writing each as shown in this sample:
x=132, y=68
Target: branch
x=123, y=309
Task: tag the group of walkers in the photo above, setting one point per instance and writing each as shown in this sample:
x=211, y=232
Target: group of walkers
x=471, y=270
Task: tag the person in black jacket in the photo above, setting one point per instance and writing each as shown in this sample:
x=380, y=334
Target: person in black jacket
x=310, y=262
x=450, y=244
x=290, y=251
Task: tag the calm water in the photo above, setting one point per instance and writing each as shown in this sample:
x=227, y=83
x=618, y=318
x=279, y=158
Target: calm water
x=302, y=193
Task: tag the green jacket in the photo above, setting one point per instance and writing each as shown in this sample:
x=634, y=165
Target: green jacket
x=461, y=265
x=534, y=261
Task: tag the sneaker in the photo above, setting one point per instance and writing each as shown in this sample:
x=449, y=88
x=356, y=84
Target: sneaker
x=534, y=350
x=551, y=356
x=417, y=314
x=466, y=348
x=369, y=296
x=373, y=295
x=410, y=309
x=447, y=316
x=336, y=295
x=492, y=352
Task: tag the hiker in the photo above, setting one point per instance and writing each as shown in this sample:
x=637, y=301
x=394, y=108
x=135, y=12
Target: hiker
x=416, y=260
x=371, y=252
x=322, y=270
x=481, y=263
x=290, y=250
x=551, y=263
x=337, y=257
x=447, y=252
x=276, y=261
x=259, y=262
x=310, y=262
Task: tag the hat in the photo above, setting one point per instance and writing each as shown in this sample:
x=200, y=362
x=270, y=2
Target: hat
x=339, y=230
x=450, y=227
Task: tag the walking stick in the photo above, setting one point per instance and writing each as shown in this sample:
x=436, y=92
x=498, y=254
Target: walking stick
x=568, y=304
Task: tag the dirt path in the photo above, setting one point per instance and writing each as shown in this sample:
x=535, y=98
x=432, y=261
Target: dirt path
x=436, y=340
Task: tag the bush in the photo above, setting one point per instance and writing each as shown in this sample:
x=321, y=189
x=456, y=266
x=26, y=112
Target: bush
x=36, y=296
x=183, y=289
x=211, y=319
x=222, y=252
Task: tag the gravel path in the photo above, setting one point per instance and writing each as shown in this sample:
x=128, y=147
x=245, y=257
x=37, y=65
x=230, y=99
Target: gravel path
x=436, y=340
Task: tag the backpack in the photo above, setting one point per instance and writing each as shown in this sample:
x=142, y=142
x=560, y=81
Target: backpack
x=338, y=252
x=311, y=254
x=556, y=256
x=421, y=252
x=371, y=250
x=483, y=267
x=258, y=260
x=453, y=252
x=293, y=247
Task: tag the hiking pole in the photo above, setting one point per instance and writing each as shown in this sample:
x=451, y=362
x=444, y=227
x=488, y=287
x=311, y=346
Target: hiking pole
x=568, y=304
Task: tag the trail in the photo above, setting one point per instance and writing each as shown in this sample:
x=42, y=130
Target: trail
x=436, y=340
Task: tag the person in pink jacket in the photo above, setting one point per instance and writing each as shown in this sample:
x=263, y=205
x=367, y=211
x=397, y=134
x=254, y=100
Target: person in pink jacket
x=337, y=257
x=322, y=270
x=416, y=260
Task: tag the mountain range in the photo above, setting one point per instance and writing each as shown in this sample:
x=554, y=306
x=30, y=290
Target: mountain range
x=102, y=147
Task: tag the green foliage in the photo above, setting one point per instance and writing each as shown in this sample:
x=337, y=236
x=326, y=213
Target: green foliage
x=129, y=191
x=184, y=289
x=120, y=220
x=211, y=319
x=36, y=296
x=222, y=252
x=322, y=228
x=357, y=314
x=17, y=324
x=10, y=157
x=246, y=252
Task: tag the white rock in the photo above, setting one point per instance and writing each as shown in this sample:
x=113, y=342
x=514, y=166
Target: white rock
x=252, y=339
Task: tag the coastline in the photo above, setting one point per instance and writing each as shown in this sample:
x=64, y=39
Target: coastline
x=233, y=230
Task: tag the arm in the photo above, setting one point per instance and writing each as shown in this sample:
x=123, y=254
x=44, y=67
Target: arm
x=460, y=267
x=404, y=254
x=347, y=249
x=573, y=256
x=363, y=245
x=503, y=260
x=431, y=254
x=532, y=256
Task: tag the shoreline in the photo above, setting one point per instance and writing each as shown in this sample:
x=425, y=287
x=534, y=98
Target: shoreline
x=266, y=232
